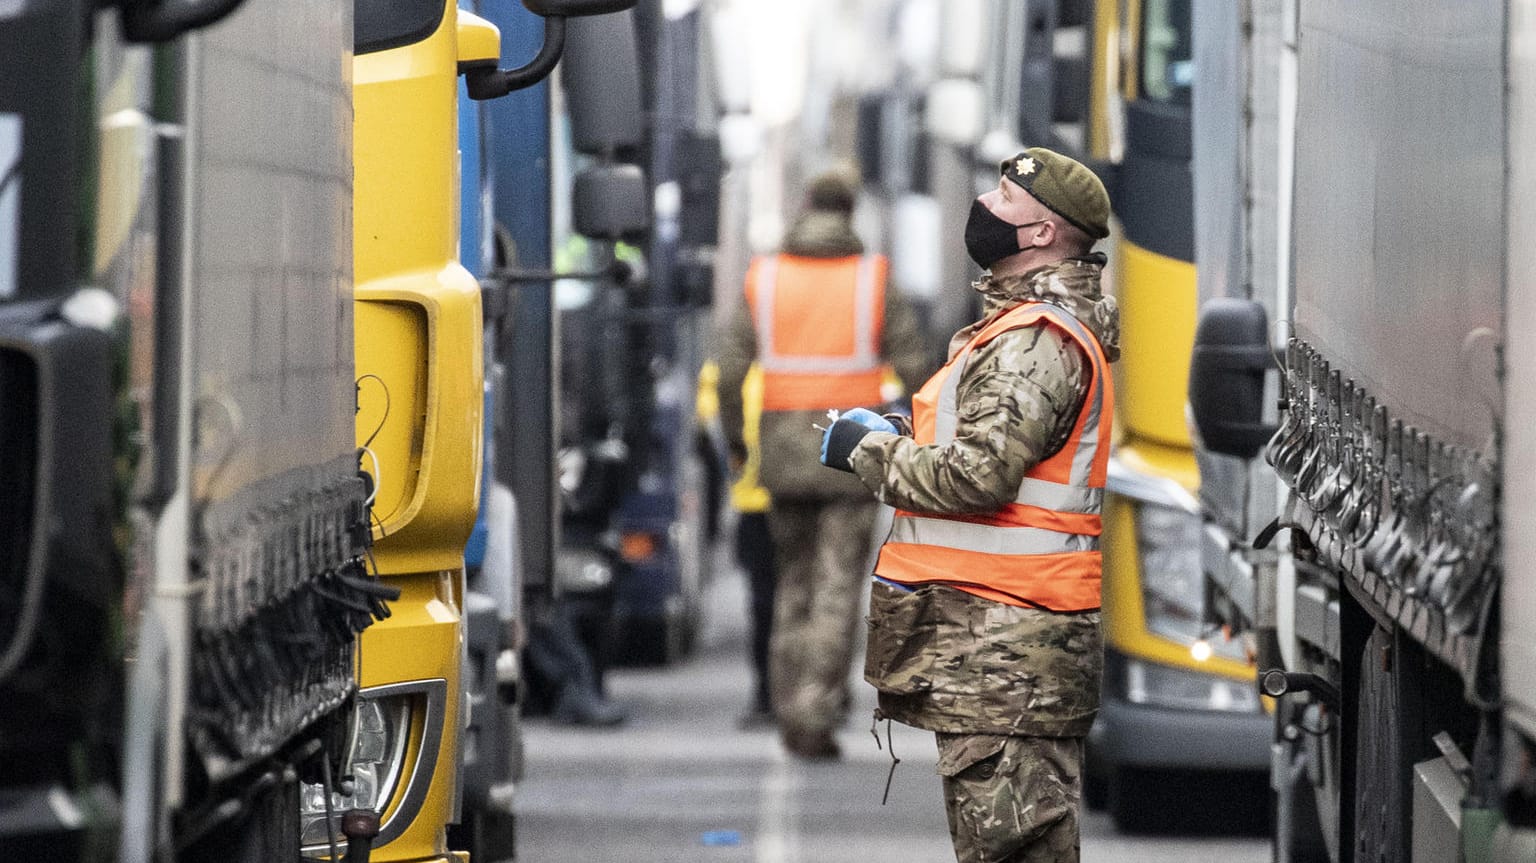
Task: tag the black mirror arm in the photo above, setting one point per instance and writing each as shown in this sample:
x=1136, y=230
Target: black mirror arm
x=616, y=271
x=163, y=21
x=495, y=288
x=488, y=82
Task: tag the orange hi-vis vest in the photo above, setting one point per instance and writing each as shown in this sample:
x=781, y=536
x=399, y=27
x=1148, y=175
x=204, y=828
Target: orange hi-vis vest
x=1041, y=550
x=818, y=324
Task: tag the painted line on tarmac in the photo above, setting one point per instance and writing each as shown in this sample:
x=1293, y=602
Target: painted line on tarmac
x=778, y=816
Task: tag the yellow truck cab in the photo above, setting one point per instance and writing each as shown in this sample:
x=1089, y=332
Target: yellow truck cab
x=420, y=403
x=419, y=400
x=1178, y=694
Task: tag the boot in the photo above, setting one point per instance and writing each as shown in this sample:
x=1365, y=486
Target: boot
x=811, y=745
x=580, y=705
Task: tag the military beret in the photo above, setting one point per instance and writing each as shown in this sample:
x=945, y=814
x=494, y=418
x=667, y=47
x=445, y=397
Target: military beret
x=1066, y=186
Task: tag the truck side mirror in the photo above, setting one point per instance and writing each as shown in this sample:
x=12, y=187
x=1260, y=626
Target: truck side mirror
x=485, y=81
x=165, y=20
x=601, y=76
x=609, y=202
x=1073, y=74
x=1226, y=377
x=698, y=167
x=576, y=8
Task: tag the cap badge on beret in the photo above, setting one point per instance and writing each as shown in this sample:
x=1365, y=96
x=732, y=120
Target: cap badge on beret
x=1024, y=166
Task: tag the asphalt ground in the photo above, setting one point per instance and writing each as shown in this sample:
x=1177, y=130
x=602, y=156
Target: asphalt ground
x=679, y=781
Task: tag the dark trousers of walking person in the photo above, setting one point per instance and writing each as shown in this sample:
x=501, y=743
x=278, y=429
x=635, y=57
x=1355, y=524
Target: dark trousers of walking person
x=754, y=554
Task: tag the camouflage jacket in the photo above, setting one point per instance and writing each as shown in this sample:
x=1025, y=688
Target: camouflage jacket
x=946, y=660
x=790, y=467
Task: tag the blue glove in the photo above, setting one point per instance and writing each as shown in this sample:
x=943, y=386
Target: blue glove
x=840, y=439
x=870, y=420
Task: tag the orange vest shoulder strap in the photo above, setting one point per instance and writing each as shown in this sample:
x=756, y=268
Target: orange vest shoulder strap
x=1029, y=313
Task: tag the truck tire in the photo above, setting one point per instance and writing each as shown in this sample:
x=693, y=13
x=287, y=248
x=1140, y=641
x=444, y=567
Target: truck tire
x=1095, y=790
x=1133, y=800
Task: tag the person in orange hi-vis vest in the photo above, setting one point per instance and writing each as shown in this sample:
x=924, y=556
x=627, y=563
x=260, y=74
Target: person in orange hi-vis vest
x=826, y=329
x=984, y=616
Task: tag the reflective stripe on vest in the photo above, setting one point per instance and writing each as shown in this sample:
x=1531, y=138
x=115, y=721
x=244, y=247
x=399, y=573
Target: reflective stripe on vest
x=818, y=324
x=1042, y=549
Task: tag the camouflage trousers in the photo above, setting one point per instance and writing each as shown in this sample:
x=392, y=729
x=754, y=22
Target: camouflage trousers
x=822, y=548
x=1012, y=799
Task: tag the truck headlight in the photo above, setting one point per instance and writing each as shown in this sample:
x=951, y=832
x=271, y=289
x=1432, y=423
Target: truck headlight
x=382, y=775
x=378, y=755
x=1170, y=570
x=1162, y=686
x=1172, y=586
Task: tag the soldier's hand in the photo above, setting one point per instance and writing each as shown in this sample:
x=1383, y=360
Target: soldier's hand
x=870, y=420
x=901, y=422
x=840, y=439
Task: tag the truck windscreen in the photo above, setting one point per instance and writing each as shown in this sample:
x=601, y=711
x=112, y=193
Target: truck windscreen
x=379, y=25
x=1167, y=68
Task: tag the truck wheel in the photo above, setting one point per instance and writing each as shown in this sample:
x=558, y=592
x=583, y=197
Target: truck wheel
x=1095, y=791
x=1096, y=773
x=1133, y=800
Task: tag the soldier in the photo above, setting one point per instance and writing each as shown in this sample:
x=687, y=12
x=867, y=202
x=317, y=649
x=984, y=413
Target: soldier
x=984, y=615
x=822, y=324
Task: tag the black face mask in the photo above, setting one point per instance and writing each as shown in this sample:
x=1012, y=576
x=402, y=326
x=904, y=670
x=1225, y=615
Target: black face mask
x=989, y=239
